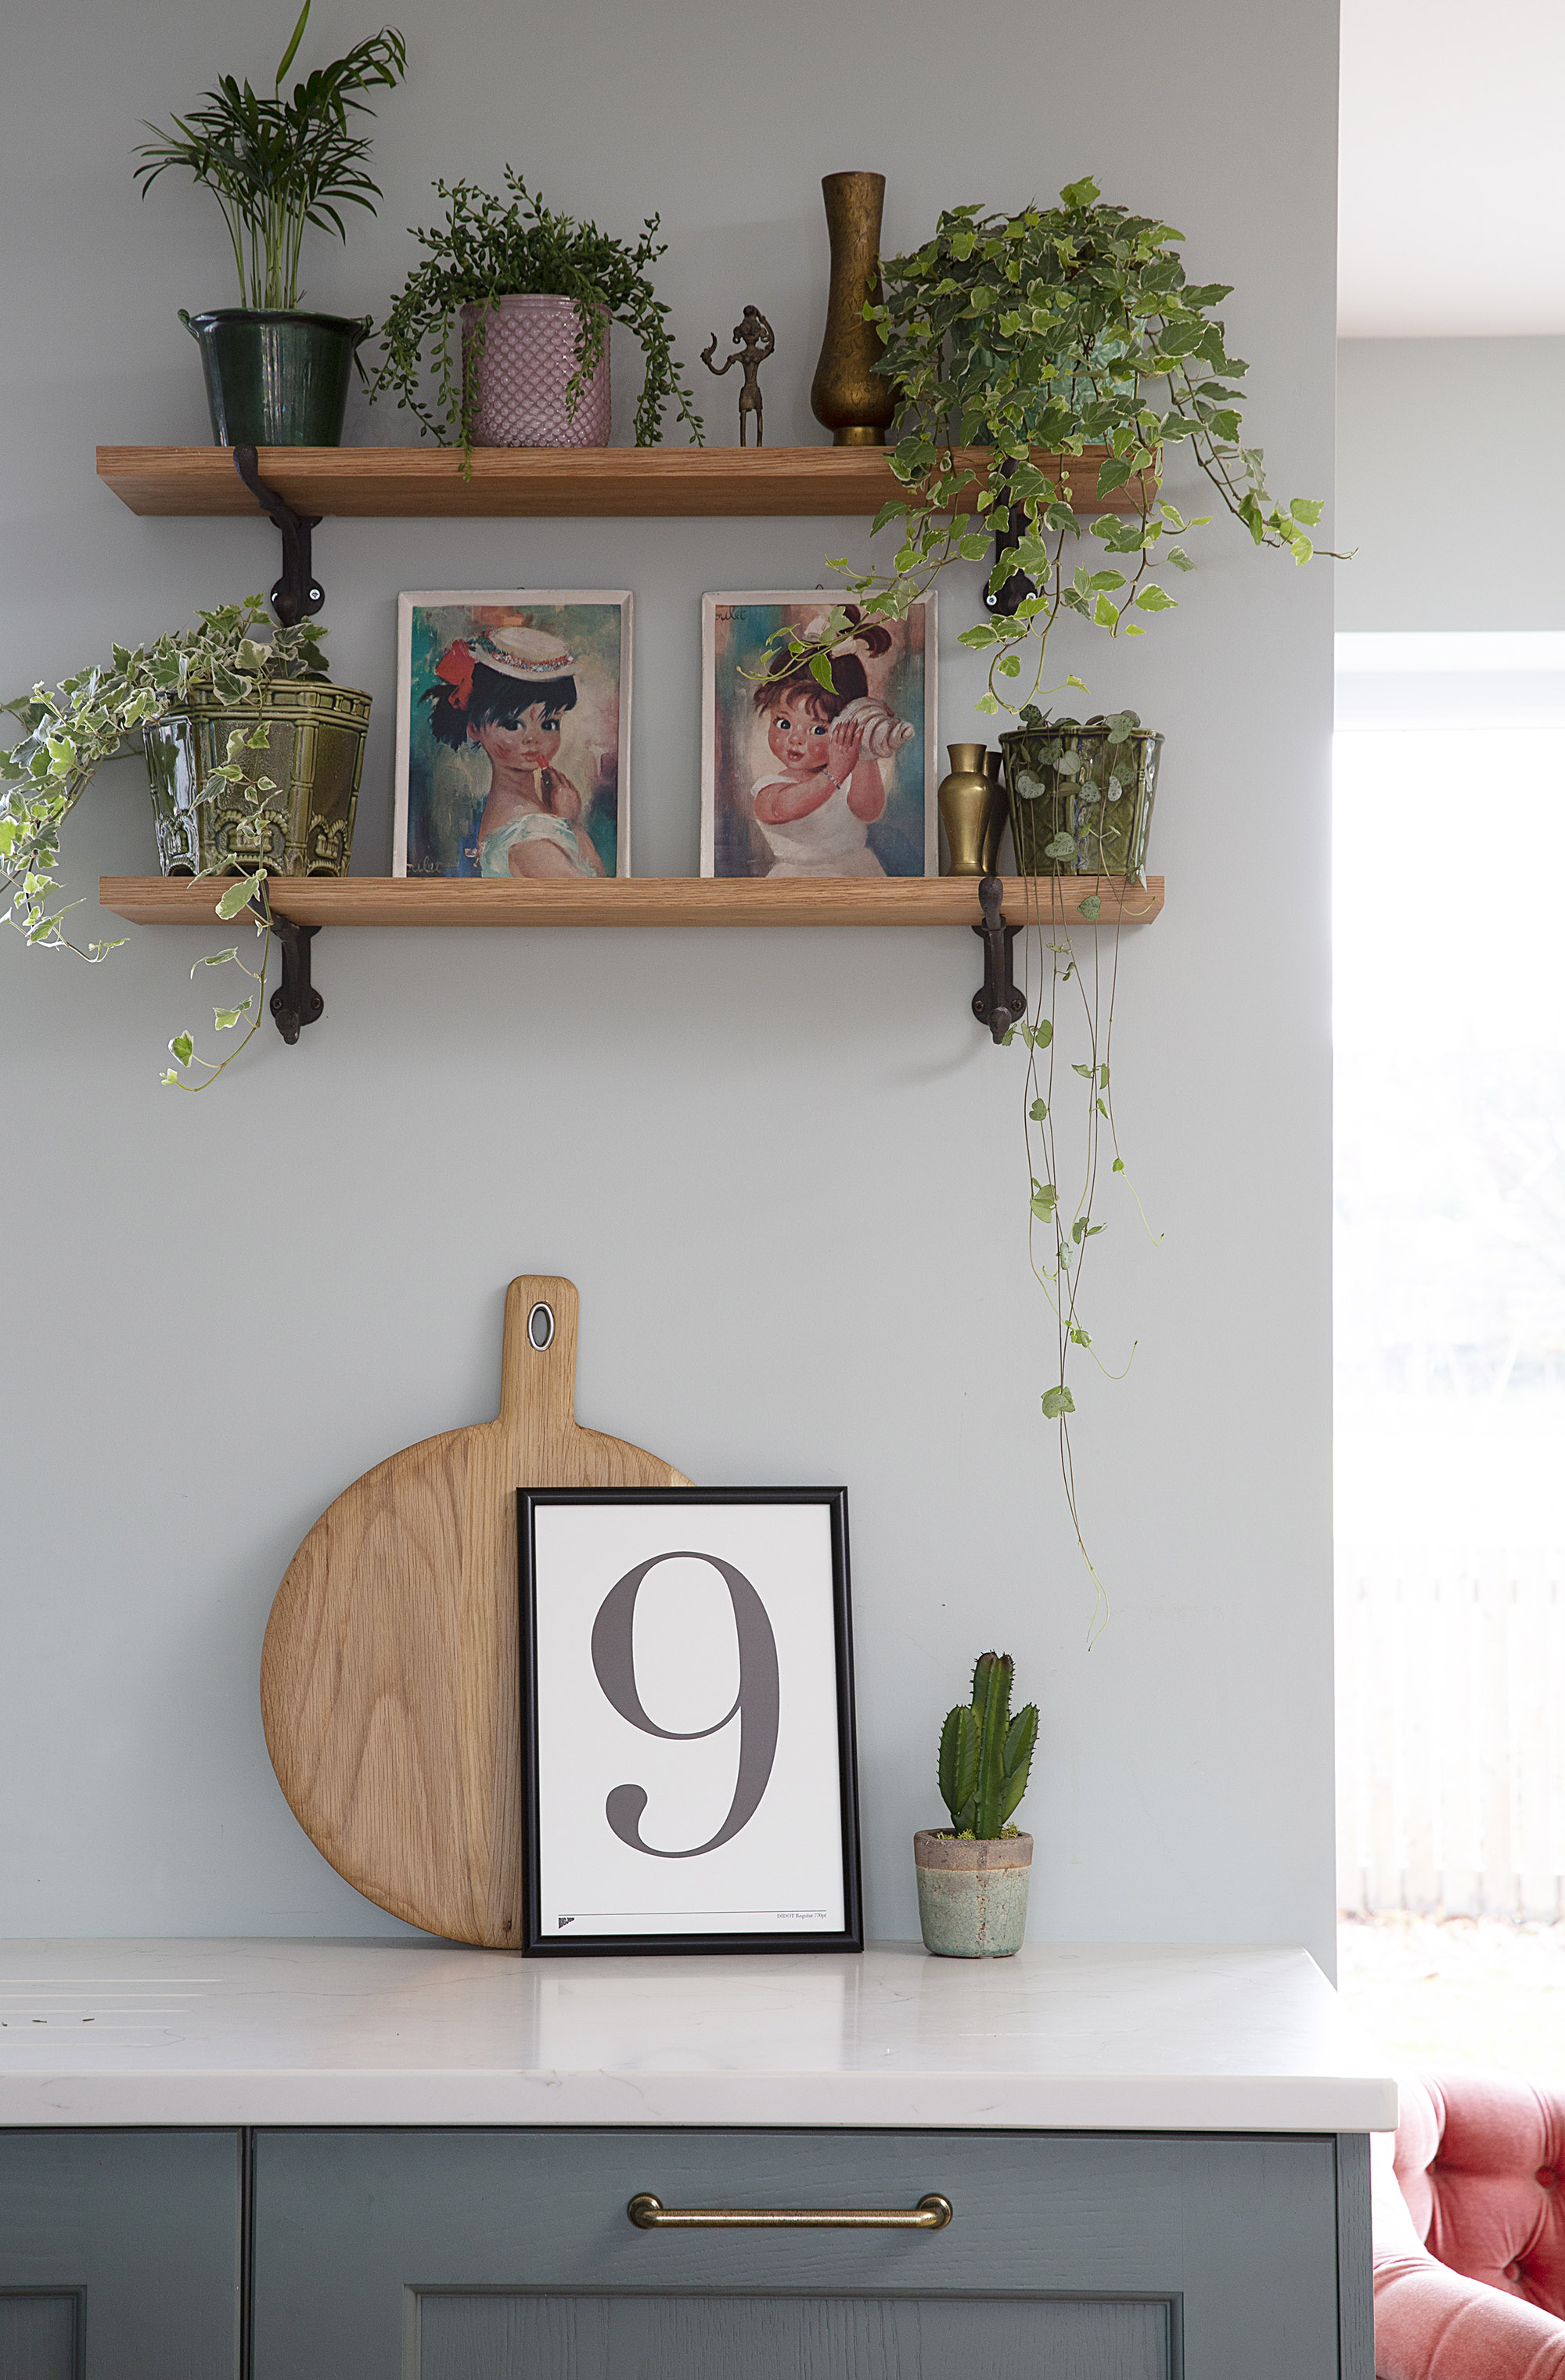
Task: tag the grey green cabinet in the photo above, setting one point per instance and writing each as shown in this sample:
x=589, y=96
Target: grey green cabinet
x=435, y=2255
x=432, y=2253
x=120, y=2255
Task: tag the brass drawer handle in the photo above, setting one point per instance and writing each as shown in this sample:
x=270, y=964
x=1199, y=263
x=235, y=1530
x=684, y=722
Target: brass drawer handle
x=649, y=2213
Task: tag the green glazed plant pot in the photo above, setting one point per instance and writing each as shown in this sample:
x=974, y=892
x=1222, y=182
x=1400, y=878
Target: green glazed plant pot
x=276, y=379
x=314, y=755
x=972, y=1896
x=1080, y=806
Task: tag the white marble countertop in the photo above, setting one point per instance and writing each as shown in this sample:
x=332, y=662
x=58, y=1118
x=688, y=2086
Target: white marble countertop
x=1065, y=2036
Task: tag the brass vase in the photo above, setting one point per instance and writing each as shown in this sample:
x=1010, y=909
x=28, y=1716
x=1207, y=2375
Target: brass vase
x=847, y=394
x=966, y=798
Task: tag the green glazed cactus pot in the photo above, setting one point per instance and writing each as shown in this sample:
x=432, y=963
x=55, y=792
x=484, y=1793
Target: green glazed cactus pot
x=972, y=1895
x=1081, y=797
x=314, y=755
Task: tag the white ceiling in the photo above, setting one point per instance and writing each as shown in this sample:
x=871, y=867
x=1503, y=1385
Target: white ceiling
x=1452, y=168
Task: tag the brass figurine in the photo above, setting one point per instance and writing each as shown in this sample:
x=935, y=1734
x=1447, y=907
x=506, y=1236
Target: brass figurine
x=753, y=339
x=848, y=396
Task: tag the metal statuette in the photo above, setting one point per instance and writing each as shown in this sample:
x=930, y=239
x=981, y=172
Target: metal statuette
x=754, y=340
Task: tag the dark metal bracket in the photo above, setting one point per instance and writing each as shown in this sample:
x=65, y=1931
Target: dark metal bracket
x=999, y=1004
x=1018, y=586
x=299, y=594
x=295, y=1002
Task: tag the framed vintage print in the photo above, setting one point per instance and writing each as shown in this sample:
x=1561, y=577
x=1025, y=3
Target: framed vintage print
x=689, y=1775
x=797, y=779
x=513, y=733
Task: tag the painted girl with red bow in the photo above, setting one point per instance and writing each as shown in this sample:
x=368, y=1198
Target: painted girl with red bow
x=506, y=692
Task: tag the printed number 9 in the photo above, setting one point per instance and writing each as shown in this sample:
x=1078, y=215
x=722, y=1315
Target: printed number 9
x=755, y=1704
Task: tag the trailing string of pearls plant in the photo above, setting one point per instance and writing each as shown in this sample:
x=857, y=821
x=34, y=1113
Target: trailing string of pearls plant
x=1015, y=342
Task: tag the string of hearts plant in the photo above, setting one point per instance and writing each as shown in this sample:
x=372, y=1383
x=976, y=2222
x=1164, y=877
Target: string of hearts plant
x=1016, y=343
x=72, y=729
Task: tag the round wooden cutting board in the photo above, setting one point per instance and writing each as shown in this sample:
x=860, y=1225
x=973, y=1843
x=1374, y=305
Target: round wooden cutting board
x=389, y=1684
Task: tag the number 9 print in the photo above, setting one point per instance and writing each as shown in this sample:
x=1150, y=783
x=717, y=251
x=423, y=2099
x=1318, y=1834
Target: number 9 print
x=755, y=1705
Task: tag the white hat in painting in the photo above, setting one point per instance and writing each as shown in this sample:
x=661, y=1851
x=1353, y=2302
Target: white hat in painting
x=527, y=653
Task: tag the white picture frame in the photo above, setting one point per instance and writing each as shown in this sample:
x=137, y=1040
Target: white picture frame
x=443, y=778
x=741, y=764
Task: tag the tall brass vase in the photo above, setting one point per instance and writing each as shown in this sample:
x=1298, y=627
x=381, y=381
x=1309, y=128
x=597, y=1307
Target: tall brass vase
x=847, y=394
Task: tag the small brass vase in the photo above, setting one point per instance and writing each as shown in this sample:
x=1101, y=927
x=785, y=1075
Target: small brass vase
x=847, y=394
x=966, y=798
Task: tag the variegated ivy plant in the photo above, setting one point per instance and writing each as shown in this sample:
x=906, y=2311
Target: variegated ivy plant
x=1016, y=343
x=71, y=729
x=1030, y=337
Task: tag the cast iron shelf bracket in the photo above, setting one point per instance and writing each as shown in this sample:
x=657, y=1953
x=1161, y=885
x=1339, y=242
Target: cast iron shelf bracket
x=999, y=1004
x=295, y=1002
x=298, y=593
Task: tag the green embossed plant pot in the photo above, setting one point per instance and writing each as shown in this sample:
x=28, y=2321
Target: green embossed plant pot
x=1081, y=797
x=972, y=1896
x=314, y=755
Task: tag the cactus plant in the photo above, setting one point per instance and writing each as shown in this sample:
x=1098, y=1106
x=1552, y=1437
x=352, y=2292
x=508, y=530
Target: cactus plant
x=985, y=1756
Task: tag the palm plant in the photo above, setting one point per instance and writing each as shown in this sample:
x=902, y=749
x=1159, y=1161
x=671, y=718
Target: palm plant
x=275, y=164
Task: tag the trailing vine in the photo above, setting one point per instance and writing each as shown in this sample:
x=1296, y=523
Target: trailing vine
x=491, y=247
x=72, y=729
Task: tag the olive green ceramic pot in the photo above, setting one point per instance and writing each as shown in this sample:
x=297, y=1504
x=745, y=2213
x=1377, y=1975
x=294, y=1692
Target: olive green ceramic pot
x=276, y=379
x=314, y=755
x=1081, y=797
x=972, y=1896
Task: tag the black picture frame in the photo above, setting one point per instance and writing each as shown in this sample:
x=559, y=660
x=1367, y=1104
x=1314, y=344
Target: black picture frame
x=530, y=1502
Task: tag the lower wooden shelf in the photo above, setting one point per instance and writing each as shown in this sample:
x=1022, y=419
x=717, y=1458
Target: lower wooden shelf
x=635, y=901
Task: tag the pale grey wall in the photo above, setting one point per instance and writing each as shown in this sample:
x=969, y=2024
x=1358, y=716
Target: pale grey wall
x=1448, y=485
x=784, y=1171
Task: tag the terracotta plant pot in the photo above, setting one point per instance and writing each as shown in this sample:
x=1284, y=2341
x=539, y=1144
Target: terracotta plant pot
x=972, y=1896
x=314, y=755
x=524, y=366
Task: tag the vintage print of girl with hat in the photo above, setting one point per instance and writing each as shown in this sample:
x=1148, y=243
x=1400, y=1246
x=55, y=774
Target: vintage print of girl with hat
x=512, y=731
x=799, y=779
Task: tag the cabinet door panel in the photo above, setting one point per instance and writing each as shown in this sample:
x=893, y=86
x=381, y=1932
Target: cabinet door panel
x=470, y=2335
x=119, y=2255
x=365, y=2239
x=39, y=2333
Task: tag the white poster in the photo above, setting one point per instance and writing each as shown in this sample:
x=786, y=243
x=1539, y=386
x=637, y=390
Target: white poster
x=687, y=1711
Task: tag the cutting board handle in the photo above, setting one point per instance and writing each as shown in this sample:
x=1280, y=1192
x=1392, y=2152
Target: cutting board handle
x=538, y=1383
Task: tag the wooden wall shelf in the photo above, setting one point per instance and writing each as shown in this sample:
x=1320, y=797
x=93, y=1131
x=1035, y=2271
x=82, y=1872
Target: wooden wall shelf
x=638, y=901
x=660, y=482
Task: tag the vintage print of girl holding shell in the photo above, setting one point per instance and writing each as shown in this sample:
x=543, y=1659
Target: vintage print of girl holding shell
x=799, y=779
x=513, y=721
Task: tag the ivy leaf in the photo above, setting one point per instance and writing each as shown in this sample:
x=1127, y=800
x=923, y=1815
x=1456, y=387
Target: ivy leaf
x=240, y=893
x=183, y=1049
x=226, y=1018
x=1151, y=598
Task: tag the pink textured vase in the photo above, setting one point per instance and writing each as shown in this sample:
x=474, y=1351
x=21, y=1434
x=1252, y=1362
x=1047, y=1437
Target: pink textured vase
x=527, y=364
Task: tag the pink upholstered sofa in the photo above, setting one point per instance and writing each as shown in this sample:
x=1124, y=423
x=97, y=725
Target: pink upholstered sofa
x=1470, y=2232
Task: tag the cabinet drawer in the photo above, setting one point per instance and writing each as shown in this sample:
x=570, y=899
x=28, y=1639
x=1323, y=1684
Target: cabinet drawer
x=509, y=2256
x=119, y=2255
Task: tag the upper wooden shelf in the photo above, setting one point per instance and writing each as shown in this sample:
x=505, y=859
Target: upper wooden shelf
x=666, y=482
x=635, y=901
